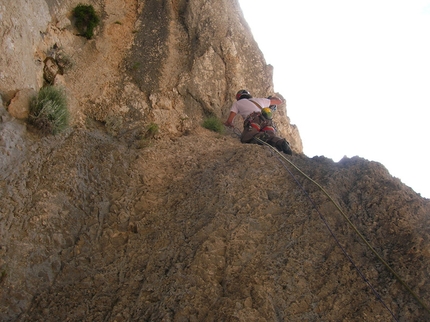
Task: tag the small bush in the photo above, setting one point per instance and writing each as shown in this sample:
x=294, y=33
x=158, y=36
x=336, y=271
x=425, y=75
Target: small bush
x=48, y=111
x=214, y=124
x=86, y=20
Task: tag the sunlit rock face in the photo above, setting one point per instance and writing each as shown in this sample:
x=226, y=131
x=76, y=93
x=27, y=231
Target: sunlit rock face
x=172, y=63
x=97, y=223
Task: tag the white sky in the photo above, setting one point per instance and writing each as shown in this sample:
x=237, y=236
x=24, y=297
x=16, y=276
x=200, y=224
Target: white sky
x=356, y=77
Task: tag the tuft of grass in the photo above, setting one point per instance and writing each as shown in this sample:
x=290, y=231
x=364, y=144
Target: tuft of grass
x=214, y=124
x=148, y=134
x=151, y=131
x=48, y=110
x=86, y=19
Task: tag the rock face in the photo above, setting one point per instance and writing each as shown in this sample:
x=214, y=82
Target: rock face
x=97, y=224
x=19, y=106
x=171, y=63
x=21, y=23
x=203, y=228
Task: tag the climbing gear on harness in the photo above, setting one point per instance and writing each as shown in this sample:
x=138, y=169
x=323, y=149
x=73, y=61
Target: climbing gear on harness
x=258, y=122
x=243, y=93
x=255, y=126
x=268, y=128
x=250, y=118
x=271, y=107
x=267, y=113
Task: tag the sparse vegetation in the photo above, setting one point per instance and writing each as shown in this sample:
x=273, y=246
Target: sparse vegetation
x=214, y=124
x=48, y=110
x=64, y=61
x=149, y=133
x=86, y=20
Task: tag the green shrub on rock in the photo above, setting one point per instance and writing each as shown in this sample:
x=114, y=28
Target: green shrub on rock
x=214, y=124
x=86, y=20
x=48, y=110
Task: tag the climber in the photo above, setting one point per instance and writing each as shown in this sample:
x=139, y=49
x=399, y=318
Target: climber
x=257, y=120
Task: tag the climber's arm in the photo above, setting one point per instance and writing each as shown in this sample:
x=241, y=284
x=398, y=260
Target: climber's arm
x=275, y=100
x=230, y=119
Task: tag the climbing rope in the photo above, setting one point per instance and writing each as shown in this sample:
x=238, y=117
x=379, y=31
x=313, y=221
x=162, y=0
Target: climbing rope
x=378, y=296
x=353, y=227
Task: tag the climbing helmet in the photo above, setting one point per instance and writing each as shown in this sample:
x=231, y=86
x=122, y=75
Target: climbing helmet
x=243, y=93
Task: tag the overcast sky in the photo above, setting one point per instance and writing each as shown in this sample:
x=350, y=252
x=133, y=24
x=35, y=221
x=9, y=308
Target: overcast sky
x=356, y=77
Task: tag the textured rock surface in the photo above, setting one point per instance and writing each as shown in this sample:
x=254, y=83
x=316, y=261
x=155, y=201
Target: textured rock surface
x=172, y=63
x=97, y=225
x=19, y=107
x=203, y=228
x=21, y=23
x=12, y=143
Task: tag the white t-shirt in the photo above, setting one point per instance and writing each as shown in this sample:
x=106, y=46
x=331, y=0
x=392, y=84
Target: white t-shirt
x=244, y=107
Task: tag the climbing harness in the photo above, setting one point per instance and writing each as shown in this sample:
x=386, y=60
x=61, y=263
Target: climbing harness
x=354, y=228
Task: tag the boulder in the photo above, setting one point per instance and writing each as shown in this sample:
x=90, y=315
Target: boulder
x=19, y=106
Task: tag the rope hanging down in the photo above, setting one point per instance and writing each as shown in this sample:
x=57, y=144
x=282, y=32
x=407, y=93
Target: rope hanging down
x=378, y=296
x=353, y=227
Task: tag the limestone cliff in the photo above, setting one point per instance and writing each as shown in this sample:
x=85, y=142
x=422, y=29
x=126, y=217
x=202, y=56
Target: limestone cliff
x=168, y=62
x=195, y=226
